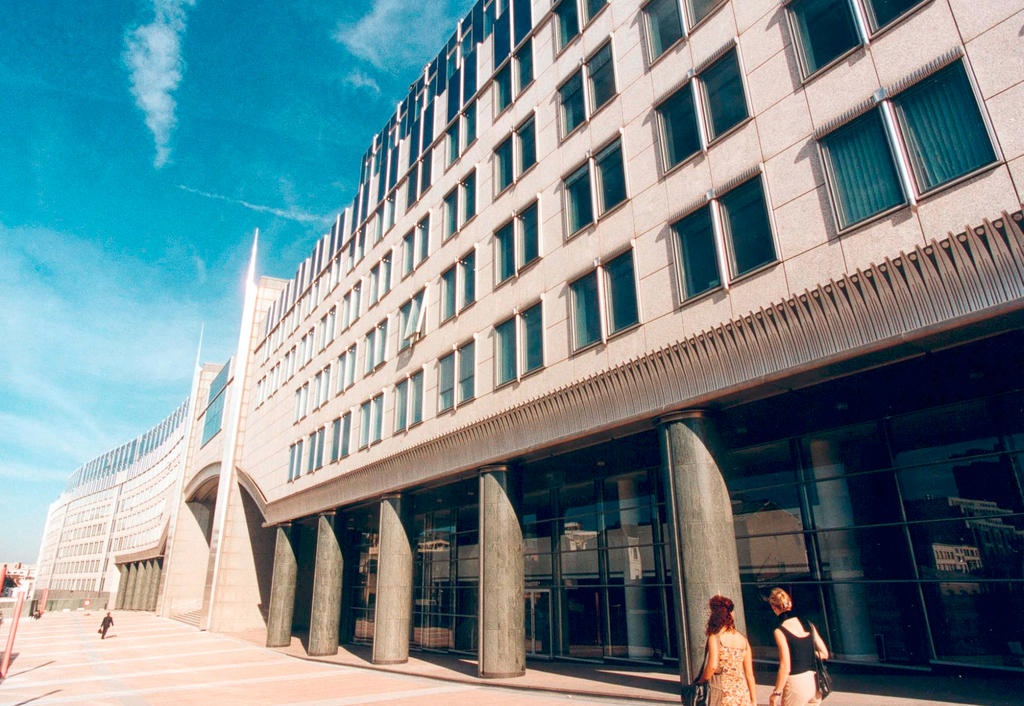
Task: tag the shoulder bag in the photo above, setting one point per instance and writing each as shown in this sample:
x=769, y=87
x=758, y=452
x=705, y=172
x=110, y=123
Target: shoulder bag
x=698, y=693
x=822, y=678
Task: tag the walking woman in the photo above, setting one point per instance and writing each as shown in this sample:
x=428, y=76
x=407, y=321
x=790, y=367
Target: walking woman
x=795, y=684
x=729, y=659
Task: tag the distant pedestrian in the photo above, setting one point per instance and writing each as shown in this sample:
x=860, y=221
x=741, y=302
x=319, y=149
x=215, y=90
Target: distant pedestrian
x=795, y=684
x=105, y=625
x=729, y=665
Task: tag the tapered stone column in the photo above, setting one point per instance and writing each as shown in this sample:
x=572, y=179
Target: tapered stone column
x=326, y=609
x=282, y=589
x=122, y=586
x=154, y=584
x=133, y=584
x=142, y=589
x=703, y=538
x=393, y=613
x=502, y=618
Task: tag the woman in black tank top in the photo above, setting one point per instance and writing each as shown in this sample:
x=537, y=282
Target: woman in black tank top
x=795, y=684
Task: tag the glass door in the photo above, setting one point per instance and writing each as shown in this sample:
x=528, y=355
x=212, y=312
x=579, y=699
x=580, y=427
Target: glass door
x=538, y=622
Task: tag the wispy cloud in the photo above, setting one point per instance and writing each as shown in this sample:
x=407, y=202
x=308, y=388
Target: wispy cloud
x=424, y=22
x=292, y=214
x=359, y=79
x=153, y=57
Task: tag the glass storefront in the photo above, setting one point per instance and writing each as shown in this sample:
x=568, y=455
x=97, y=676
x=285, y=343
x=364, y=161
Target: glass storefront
x=360, y=581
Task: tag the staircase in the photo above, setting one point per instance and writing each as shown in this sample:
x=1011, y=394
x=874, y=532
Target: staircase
x=191, y=618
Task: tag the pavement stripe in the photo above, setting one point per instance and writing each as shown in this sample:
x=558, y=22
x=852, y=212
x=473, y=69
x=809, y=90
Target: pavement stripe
x=176, y=687
x=163, y=656
x=389, y=696
x=160, y=672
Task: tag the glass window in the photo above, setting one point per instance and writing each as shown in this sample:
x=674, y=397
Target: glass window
x=747, y=229
x=469, y=197
x=825, y=29
x=453, y=143
x=524, y=66
x=467, y=278
x=505, y=341
x=385, y=275
x=527, y=137
x=698, y=264
x=416, y=398
x=451, y=214
x=378, y=416
x=467, y=369
x=611, y=178
x=469, y=118
x=529, y=240
x=446, y=382
x=570, y=96
x=503, y=88
x=862, y=168
x=622, y=306
x=533, y=341
x=504, y=241
x=943, y=128
x=592, y=7
x=401, y=403
x=408, y=252
x=422, y=240
x=679, y=126
x=579, y=211
x=585, y=311
x=503, y=165
x=601, y=73
x=723, y=92
x=882, y=12
x=364, y=424
x=448, y=294
x=664, y=25
x=699, y=9
x=568, y=22
x=425, y=172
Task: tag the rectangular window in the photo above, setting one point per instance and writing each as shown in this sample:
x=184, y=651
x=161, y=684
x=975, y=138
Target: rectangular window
x=680, y=133
x=451, y=213
x=453, y=143
x=611, y=178
x=364, y=424
x=533, y=338
x=747, y=230
x=469, y=120
x=448, y=293
x=373, y=285
x=579, y=208
x=335, y=439
x=503, y=165
x=422, y=240
x=863, y=172
x=524, y=66
x=568, y=22
x=377, y=418
x=446, y=382
x=380, y=344
x=943, y=128
x=571, y=105
x=368, y=351
x=526, y=136
x=621, y=293
x=416, y=398
x=298, y=458
x=408, y=252
x=699, y=9
x=825, y=29
x=411, y=194
x=503, y=89
x=385, y=275
x=425, y=166
x=401, y=405
x=411, y=316
x=586, y=314
x=723, y=94
x=346, y=433
x=505, y=350
x=320, y=447
x=468, y=193
x=504, y=241
x=698, y=260
x=882, y=12
x=592, y=7
x=311, y=465
x=467, y=279
x=467, y=368
x=529, y=235
x=357, y=290
x=601, y=73
x=664, y=26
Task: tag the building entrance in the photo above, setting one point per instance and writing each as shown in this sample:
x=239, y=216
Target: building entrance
x=538, y=622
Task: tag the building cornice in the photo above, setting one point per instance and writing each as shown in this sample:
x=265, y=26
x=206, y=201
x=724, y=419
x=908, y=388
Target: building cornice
x=946, y=284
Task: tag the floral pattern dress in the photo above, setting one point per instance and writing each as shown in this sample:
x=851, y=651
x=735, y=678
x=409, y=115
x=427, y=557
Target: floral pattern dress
x=729, y=685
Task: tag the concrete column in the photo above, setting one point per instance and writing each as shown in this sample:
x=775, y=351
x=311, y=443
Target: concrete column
x=141, y=587
x=701, y=529
x=133, y=582
x=154, y=584
x=122, y=586
x=502, y=618
x=393, y=612
x=282, y=589
x=326, y=609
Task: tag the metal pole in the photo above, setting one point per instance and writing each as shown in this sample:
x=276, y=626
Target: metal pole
x=6, y=663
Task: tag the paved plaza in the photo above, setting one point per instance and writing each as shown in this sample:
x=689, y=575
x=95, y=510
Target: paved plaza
x=150, y=660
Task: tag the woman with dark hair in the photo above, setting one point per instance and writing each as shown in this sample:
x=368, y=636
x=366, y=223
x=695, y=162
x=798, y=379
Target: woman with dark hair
x=795, y=684
x=729, y=665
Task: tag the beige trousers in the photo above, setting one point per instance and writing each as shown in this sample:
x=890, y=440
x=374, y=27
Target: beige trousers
x=801, y=690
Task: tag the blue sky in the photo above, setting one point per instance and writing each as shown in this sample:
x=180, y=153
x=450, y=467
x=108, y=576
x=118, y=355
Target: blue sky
x=141, y=144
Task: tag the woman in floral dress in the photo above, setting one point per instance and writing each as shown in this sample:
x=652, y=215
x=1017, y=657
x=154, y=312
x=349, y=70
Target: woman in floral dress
x=729, y=666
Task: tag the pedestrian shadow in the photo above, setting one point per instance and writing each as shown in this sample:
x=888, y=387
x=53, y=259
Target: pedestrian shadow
x=36, y=698
x=32, y=669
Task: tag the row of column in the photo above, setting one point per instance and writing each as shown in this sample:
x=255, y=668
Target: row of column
x=139, y=585
x=701, y=528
